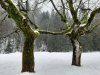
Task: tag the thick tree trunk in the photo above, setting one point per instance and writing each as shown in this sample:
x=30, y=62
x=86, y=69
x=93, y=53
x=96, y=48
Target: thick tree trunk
x=28, y=55
x=76, y=58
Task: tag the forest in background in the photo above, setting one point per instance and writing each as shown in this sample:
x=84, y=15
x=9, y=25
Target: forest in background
x=48, y=21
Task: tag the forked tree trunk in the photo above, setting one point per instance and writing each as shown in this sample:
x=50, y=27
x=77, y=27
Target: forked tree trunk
x=28, y=55
x=76, y=58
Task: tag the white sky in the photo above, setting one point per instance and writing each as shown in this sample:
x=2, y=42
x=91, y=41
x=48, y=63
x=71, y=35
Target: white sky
x=48, y=6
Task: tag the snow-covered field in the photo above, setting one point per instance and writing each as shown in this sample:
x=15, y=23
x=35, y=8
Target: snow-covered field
x=51, y=64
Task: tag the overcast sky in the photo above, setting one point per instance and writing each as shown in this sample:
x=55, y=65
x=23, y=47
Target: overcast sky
x=48, y=6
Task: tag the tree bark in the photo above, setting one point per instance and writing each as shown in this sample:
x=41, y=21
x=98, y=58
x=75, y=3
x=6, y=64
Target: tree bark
x=76, y=58
x=28, y=55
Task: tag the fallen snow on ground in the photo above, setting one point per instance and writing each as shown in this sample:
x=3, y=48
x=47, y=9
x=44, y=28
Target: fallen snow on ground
x=51, y=64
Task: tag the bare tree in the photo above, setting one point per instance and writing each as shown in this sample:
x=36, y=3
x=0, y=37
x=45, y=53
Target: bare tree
x=30, y=35
x=78, y=11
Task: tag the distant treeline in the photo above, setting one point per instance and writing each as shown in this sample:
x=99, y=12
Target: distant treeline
x=50, y=43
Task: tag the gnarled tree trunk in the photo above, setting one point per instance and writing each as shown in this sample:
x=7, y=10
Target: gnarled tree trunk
x=76, y=58
x=28, y=55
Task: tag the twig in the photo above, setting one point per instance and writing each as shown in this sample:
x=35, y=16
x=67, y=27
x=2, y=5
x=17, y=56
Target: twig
x=3, y=19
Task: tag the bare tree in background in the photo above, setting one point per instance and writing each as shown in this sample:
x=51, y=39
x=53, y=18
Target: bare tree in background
x=81, y=15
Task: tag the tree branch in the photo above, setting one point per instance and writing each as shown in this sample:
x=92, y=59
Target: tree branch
x=92, y=15
x=16, y=31
x=95, y=26
x=56, y=9
x=3, y=19
x=87, y=31
x=79, y=5
x=15, y=14
x=20, y=5
x=35, y=26
x=63, y=7
x=55, y=33
x=73, y=12
x=12, y=11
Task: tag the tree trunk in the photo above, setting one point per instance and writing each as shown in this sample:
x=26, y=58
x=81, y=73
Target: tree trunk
x=28, y=55
x=76, y=58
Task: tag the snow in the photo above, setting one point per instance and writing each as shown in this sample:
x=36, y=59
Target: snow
x=82, y=25
x=51, y=64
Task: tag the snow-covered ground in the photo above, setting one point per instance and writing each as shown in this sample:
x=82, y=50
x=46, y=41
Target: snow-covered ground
x=51, y=64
